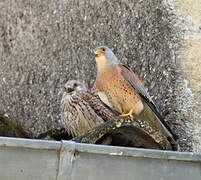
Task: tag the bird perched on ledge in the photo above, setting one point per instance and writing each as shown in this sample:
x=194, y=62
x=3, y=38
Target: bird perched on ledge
x=77, y=115
x=119, y=88
x=81, y=109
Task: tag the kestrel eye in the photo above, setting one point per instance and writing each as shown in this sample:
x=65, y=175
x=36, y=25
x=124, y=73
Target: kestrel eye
x=103, y=49
x=75, y=85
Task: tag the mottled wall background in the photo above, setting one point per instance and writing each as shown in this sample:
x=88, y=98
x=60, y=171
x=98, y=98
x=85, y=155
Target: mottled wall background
x=44, y=43
x=189, y=57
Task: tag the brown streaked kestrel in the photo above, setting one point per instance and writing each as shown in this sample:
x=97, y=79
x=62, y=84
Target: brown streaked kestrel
x=81, y=109
x=119, y=88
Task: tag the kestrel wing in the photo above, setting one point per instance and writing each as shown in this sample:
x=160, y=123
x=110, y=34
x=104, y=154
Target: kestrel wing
x=135, y=82
x=97, y=105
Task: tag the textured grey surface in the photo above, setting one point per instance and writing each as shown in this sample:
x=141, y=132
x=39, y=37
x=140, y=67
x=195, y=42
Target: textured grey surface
x=44, y=43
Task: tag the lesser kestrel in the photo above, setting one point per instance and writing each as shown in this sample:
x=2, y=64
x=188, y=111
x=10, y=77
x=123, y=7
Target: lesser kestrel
x=77, y=115
x=119, y=88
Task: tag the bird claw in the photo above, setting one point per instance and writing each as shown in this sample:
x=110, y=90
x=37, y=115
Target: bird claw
x=130, y=114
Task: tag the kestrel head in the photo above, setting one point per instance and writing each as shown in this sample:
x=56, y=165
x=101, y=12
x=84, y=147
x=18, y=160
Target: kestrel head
x=73, y=86
x=105, y=57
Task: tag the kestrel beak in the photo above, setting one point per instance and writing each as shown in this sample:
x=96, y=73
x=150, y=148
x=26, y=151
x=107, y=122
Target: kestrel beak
x=69, y=89
x=99, y=52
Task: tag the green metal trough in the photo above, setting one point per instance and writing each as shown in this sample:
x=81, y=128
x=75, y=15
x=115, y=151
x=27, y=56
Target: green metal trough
x=25, y=159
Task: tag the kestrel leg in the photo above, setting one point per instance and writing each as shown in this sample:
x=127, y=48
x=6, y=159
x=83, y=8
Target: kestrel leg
x=130, y=114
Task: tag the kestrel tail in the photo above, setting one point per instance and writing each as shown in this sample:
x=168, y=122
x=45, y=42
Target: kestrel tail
x=77, y=115
x=119, y=88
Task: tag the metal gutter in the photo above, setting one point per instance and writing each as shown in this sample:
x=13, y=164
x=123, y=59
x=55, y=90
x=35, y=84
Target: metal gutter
x=62, y=146
x=73, y=161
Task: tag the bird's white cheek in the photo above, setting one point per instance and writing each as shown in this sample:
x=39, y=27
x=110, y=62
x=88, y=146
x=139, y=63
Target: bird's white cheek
x=104, y=98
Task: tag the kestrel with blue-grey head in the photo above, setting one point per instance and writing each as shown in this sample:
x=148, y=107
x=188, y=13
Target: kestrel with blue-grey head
x=120, y=89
